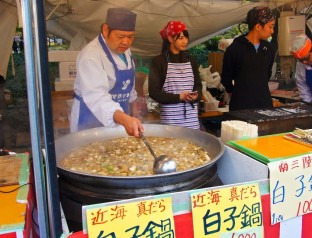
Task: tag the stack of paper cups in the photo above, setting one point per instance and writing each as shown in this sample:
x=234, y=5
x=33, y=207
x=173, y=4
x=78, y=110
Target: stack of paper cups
x=233, y=130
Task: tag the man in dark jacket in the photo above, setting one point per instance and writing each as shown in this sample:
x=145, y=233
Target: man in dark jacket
x=247, y=63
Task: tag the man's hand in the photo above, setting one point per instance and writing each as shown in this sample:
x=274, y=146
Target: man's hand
x=132, y=125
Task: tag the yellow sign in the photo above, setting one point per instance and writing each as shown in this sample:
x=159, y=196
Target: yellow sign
x=226, y=210
x=148, y=218
x=290, y=187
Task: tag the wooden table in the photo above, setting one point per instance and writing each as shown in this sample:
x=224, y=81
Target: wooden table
x=154, y=117
x=210, y=121
x=210, y=114
x=60, y=111
x=205, y=120
x=286, y=96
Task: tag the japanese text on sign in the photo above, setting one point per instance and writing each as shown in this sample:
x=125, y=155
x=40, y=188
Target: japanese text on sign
x=226, y=210
x=144, y=219
x=290, y=187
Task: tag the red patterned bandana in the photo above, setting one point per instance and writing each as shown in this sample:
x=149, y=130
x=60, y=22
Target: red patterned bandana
x=172, y=29
x=263, y=15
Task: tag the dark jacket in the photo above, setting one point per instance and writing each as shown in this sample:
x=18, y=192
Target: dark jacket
x=157, y=77
x=250, y=70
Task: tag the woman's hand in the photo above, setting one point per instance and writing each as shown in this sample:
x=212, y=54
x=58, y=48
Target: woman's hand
x=188, y=96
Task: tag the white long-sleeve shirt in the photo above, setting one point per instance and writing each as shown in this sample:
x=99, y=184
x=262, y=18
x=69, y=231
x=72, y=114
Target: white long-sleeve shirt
x=305, y=92
x=95, y=77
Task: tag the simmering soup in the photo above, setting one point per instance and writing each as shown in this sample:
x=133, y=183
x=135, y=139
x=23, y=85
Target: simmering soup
x=128, y=156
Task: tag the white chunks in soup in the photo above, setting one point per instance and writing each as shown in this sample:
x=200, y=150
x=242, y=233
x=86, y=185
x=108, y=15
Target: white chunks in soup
x=128, y=156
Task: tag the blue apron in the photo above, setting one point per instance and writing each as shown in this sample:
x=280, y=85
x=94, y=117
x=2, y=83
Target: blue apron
x=309, y=78
x=120, y=93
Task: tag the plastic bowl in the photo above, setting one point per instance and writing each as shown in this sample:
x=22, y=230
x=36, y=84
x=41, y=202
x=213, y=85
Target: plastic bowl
x=273, y=86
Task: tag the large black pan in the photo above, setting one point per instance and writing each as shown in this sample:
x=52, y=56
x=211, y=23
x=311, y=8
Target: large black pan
x=137, y=184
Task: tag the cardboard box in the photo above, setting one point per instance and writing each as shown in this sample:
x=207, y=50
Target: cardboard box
x=67, y=71
x=62, y=55
x=216, y=60
x=65, y=85
x=61, y=107
x=140, y=78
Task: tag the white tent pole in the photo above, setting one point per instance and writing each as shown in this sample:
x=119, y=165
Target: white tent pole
x=33, y=119
x=46, y=119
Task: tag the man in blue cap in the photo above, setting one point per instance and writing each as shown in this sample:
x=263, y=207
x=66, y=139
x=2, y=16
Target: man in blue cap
x=104, y=86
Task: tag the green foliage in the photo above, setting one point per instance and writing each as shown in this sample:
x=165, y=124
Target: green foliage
x=17, y=84
x=58, y=47
x=200, y=51
x=212, y=44
x=53, y=73
x=236, y=30
x=18, y=31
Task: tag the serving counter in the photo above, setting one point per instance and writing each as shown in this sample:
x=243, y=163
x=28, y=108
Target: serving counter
x=235, y=167
x=243, y=171
x=275, y=120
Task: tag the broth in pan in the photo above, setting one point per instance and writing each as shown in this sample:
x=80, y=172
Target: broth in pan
x=128, y=156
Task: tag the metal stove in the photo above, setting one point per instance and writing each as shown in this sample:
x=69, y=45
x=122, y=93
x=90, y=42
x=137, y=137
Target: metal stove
x=73, y=197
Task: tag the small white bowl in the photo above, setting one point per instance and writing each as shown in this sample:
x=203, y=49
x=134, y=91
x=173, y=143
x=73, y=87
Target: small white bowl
x=273, y=86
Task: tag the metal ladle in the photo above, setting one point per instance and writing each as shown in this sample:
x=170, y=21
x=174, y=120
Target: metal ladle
x=162, y=164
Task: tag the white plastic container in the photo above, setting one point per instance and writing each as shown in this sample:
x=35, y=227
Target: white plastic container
x=211, y=106
x=273, y=86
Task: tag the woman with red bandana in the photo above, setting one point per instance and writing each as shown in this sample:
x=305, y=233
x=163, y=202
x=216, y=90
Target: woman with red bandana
x=174, y=80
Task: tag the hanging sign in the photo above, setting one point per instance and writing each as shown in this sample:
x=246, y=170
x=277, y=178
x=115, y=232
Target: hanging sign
x=290, y=187
x=232, y=212
x=148, y=218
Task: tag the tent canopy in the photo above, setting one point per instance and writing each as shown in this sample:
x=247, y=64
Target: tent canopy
x=79, y=21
